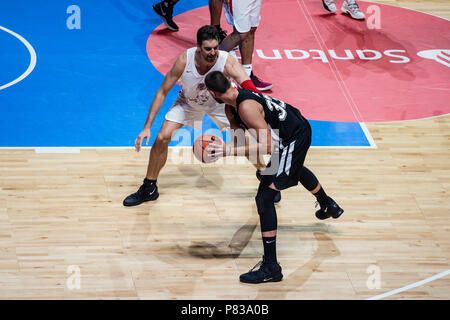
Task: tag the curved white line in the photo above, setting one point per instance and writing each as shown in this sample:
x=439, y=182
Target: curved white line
x=33, y=58
x=416, y=284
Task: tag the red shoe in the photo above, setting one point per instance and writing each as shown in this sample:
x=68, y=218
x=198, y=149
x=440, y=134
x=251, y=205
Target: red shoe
x=259, y=84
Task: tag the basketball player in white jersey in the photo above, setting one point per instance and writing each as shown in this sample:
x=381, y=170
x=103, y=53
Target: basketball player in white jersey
x=194, y=100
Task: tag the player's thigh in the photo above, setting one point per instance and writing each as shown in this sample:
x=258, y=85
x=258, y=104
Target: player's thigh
x=186, y=115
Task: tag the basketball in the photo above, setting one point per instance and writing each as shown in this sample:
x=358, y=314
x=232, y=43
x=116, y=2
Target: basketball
x=201, y=143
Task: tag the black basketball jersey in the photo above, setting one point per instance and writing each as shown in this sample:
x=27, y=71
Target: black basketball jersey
x=285, y=121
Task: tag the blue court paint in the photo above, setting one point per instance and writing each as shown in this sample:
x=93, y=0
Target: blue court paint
x=92, y=87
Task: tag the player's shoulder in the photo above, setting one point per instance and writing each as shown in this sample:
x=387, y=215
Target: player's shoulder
x=181, y=60
x=247, y=98
x=183, y=56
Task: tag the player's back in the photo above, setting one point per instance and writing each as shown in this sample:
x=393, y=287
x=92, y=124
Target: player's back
x=284, y=120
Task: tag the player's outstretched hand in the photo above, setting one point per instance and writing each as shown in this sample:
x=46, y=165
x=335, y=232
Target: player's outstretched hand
x=145, y=134
x=216, y=150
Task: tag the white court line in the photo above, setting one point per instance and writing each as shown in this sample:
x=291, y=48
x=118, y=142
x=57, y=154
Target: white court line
x=78, y=149
x=336, y=73
x=368, y=135
x=416, y=284
x=33, y=58
x=331, y=64
x=57, y=150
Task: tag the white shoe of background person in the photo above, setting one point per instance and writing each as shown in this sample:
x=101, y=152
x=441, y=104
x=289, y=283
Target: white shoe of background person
x=351, y=7
x=329, y=5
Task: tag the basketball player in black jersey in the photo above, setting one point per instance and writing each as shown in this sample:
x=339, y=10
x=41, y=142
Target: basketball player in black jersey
x=280, y=130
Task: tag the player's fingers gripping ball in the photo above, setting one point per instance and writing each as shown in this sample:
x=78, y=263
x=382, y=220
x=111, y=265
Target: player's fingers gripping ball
x=207, y=154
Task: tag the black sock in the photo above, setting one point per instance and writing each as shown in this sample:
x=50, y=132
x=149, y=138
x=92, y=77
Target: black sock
x=270, y=249
x=321, y=197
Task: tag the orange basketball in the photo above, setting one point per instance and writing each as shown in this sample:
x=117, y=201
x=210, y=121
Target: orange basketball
x=201, y=143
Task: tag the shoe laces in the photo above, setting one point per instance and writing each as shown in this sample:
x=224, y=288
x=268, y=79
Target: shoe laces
x=168, y=8
x=256, y=266
x=142, y=189
x=352, y=5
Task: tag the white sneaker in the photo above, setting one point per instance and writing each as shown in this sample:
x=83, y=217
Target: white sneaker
x=351, y=7
x=329, y=5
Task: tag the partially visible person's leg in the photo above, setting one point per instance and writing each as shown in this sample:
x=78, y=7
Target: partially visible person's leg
x=328, y=207
x=164, y=10
x=269, y=269
x=157, y=159
x=215, y=12
x=158, y=152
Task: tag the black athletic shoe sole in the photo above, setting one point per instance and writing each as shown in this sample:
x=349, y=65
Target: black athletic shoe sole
x=153, y=197
x=256, y=281
x=326, y=216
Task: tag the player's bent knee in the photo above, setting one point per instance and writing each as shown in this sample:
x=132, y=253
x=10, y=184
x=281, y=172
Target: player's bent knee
x=162, y=139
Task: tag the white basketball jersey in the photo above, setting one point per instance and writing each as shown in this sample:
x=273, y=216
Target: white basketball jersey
x=193, y=88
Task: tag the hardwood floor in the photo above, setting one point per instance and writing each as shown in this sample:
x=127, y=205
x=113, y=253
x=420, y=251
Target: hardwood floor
x=62, y=213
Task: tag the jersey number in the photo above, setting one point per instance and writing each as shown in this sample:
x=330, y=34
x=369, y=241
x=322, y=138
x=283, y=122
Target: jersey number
x=278, y=105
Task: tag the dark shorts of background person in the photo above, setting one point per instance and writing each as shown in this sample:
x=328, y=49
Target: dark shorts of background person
x=290, y=160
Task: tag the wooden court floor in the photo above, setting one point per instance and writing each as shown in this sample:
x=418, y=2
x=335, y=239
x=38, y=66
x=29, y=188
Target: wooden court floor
x=64, y=233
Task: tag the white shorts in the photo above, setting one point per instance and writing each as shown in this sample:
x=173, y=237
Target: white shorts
x=193, y=116
x=242, y=14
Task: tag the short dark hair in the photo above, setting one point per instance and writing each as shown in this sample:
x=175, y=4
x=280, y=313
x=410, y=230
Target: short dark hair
x=207, y=33
x=216, y=81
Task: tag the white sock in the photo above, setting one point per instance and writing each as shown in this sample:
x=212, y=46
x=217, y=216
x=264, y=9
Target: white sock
x=247, y=68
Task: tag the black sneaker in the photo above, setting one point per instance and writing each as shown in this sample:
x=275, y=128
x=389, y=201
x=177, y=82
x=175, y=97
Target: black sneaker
x=165, y=11
x=145, y=193
x=268, y=272
x=277, y=196
x=330, y=210
x=222, y=34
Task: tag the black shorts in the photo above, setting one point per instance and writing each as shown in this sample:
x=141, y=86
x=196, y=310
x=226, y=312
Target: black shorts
x=285, y=166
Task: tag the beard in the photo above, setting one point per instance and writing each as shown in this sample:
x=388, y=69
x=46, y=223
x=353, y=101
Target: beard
x=218, y=100
x=210, y=58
